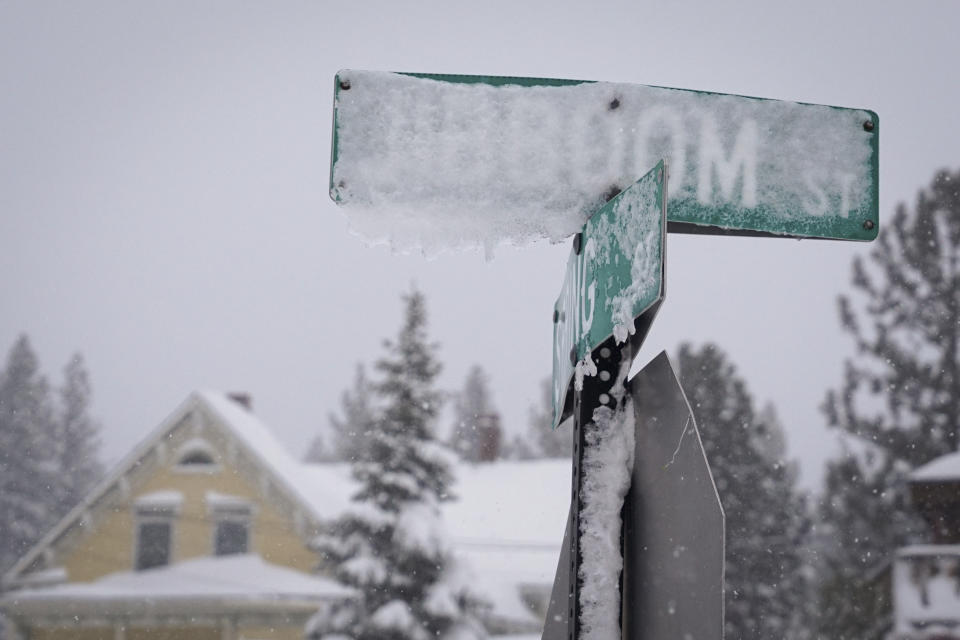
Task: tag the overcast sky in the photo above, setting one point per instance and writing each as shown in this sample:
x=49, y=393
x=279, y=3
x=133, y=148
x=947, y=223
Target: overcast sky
x=164, y=208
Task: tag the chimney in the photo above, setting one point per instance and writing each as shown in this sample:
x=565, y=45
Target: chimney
x=243, y=399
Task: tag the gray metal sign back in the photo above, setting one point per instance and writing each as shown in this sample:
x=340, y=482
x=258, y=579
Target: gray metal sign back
x=673, y=522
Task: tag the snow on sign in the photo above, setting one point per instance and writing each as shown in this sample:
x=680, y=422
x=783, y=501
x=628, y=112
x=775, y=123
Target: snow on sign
x=434, y=162
x=614, y=275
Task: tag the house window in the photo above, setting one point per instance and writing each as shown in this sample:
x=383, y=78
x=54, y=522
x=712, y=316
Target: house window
x=155, y=513
x=153, y=543
x=231, y=536
x=196, y=457
x=231, y=516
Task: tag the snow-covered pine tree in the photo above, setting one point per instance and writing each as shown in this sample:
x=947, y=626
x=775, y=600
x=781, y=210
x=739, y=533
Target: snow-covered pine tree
x=476, y=433
x=391, y=546
x=350, y=431
x=29, y=454
x=78, y=436
x=899, y=404
x=766, y=518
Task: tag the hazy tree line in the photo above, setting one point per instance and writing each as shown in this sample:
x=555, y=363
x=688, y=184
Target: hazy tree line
x=49, y=448
x=476, y=434
x=897, y=407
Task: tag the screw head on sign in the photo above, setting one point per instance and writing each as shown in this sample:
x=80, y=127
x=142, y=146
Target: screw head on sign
x=868, y=125
x=868, y=225
x=614, y=104
x=345, y=84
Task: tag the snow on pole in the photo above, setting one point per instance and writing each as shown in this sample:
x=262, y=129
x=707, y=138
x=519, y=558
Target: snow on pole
x=606, y=470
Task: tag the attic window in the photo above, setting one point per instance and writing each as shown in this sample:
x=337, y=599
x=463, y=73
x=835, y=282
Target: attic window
x=196, y=455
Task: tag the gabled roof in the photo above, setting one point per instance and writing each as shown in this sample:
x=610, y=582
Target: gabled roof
x=257, y=440
x=944, y=468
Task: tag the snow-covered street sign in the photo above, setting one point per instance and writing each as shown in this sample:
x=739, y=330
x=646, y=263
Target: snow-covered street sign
x=614, y=276
x=466, y=160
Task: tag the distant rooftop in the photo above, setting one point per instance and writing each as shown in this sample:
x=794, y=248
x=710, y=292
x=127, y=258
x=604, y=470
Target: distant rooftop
x=943, y=468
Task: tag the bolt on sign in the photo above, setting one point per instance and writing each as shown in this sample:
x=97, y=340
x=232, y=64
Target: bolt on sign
x=439, y=152
x=614, y=275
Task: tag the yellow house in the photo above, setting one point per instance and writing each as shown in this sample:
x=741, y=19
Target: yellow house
x=203, y=531
x=198, y=533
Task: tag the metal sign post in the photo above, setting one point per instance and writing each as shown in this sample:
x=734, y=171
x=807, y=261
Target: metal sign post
x=611, y=293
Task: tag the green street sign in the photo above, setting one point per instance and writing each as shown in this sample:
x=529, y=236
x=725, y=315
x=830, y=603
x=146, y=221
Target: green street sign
x=524, y=158
x=614, y=275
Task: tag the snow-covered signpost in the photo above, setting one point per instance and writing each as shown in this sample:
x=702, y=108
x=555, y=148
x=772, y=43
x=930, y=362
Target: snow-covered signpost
x=434, y=162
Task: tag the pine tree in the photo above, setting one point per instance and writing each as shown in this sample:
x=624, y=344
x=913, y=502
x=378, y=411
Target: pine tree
x=899, y=403
x=350, y=433
x=476, y=432
x=29, y=483
x=545, y=441
x=78, y=437
x=766, y=518
x=390, y=547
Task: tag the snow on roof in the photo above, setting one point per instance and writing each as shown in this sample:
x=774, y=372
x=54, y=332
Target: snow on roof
x=498, y=575
x=245, y=576
x=520, y=504
x=506, y=523
x=943, y=468
x=217, y=500
x=160, y=500
x=524, y=503
x=264, y=445
x=918, y=550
